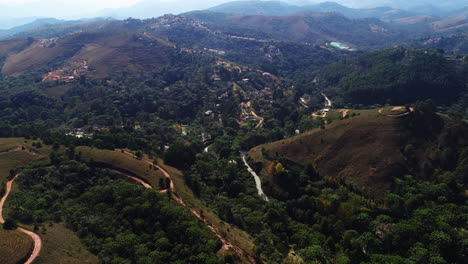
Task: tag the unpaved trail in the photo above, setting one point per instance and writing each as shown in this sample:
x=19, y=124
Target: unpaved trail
x=225, y=242
x=37, y=240
x=140, y=181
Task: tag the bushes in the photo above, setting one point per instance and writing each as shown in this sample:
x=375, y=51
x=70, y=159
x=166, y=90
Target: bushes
x=121, y=221
x=10, y=224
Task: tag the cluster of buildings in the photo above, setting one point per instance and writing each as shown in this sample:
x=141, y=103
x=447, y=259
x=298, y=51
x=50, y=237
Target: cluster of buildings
x=79, y=133
x=69, y=73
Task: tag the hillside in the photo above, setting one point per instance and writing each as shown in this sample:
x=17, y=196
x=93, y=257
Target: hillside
x=395, y=76
x=453, y=45
x=100, y=53
x=277, y=8
x=42, y=23
x=317, y=28
x=367, y=151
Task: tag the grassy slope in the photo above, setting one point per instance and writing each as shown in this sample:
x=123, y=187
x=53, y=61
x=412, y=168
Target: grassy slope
x=363, y=150
x=63, y=246
x=122, y=161
x=14, y=246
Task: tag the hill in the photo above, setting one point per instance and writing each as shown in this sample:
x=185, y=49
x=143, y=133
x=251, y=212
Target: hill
x=317, y=28
x=43, y=23
x=99, y=53
x=366, y=151
x=395, y=76
x=277, y=8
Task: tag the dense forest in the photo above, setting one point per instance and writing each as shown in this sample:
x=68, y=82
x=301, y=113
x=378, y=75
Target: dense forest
x=396, y=76
x=119, y=221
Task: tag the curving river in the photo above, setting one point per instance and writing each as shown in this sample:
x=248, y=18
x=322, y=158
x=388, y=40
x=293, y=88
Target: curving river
x=258, y=181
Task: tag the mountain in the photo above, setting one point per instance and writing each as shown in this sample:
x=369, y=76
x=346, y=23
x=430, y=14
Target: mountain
x=98, y=53
x=274, y=8
x=313, y=28
x=9, y=22
x=44, y=23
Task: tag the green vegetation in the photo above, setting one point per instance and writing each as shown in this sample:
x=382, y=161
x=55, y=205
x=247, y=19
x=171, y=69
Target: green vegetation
x=330, y=219
x=395, y=76
x=121, y=161
x=141, y=233
x=354, y=186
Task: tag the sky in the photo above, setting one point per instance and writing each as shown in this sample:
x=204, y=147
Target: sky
x=73, y=9
x=67, y=9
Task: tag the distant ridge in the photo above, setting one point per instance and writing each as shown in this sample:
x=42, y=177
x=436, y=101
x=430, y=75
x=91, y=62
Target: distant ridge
x=277, y=8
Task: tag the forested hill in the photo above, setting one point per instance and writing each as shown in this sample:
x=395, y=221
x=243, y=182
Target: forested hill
x=396, y=76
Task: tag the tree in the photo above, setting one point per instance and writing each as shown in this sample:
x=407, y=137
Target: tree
x=139, y=155
x=9, y=224
x=11, y=174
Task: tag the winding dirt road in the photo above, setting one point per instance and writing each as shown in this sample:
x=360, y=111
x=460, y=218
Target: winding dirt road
x=226, y=244
x=38, y=242
x=34, y=236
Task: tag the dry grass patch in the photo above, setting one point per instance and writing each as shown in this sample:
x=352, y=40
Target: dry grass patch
x=63, y=246
x=119, y=160
x=15, y=246
x=363, y=150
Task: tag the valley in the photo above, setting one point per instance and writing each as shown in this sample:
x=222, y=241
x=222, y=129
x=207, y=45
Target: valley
x=250, y=132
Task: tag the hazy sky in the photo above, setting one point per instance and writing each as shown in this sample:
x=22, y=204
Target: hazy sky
x=91, y=8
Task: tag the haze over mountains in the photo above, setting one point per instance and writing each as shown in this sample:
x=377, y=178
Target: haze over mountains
x=443, y=21
x=155, y=8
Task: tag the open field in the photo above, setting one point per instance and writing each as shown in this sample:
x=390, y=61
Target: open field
x=123, y=161
x=63, y=246
x=14, y=246
x=362, y=150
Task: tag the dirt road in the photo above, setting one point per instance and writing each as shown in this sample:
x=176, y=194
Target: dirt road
x=226, y=243
x=34, y=236
x=259, y=118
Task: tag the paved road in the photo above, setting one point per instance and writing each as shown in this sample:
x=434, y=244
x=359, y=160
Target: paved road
x=258, y=181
